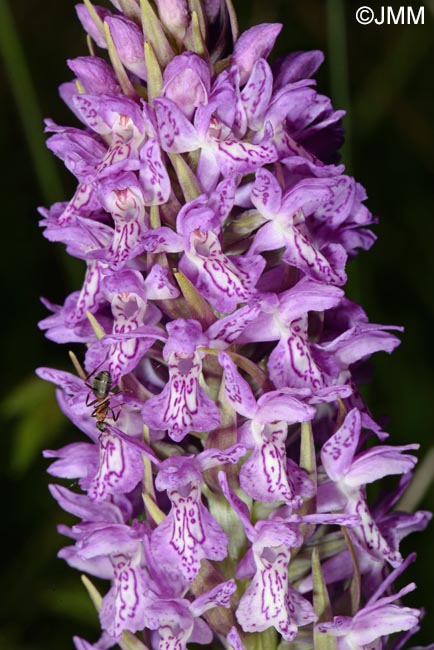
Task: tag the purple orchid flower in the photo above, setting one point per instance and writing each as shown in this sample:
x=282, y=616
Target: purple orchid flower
x=214, y=225
x=285, y=227
x=183, y=405
x=125, y=605
x=269, y=601
x=376, y=620
x=348, y=474
x=221, y=152
x=292, y=362
x=134, y=328
x=225, y=281
x=393, y=526
x=268, y=475
x=95, y=75
x=178, y=621
x=189, y=533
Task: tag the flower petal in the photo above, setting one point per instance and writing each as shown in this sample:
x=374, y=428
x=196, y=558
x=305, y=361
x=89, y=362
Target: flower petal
x=338, y=452
x=237, y=391
x=177, y=134
x=120, y=468
x=253, y=44
x=153, y=174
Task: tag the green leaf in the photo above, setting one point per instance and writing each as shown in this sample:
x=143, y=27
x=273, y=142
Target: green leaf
x=93, y=592
x=266, y=640
x=38, y=421
x=130, y=642
x=154, y=511
x=187, y=180
x=196, y=6
x=251, y=368
x=194, y=39
x=199, y=308
x=222, y=438
x=308, y=463
x=97, y=328
x=321, y=605
x=153, y=70
x=355, y=584
x=303, y=641
x=233, y=20
x=230, y=522
x=154, y=33
x=246, y=223
x=420, y=484
x=219, y=618
x=328, y=545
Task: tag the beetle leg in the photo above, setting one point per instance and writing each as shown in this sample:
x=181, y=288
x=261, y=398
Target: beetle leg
x=89, y=403
x=115, y=416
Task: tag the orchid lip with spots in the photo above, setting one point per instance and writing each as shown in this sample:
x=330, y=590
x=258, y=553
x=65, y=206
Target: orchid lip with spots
x=222, y=493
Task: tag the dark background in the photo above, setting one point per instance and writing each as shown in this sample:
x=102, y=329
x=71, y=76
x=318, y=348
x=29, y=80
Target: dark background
x=384, y=76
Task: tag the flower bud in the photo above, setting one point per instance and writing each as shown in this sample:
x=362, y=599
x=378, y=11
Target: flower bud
x=174, y=16
x=129, y=41
x=95, y=75
x=187, y=82
x=256, y=43
x=89, y=25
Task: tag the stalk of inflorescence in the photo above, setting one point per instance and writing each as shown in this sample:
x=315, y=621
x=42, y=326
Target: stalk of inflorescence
x=222, y=476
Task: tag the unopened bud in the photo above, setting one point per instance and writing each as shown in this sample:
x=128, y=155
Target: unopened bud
x=95, y=75
x=174, y=16
x=128, y=40
x=187, y=82
x=89, y=24
x=256, y=43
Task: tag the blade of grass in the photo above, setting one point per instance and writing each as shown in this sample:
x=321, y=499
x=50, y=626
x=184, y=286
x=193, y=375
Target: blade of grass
x=24, y=93
x=27, y=105
x=338, y=67
x=340, y=93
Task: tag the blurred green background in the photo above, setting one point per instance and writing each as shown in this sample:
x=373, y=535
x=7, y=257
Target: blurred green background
x=384, y=76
